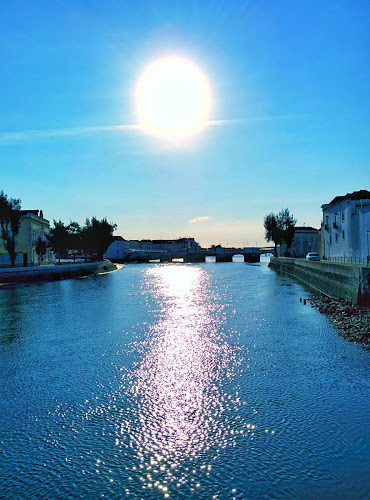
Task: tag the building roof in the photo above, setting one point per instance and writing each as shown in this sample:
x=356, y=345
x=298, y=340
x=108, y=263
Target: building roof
x=37, y=213
x=158, y=242
x=304, y=228
x=363, y=194
x=25, y=212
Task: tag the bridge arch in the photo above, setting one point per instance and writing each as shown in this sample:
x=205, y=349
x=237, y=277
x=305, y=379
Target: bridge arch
x=237, y=257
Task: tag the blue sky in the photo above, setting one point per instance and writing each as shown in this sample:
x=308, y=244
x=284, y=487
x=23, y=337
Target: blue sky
x=290, y=81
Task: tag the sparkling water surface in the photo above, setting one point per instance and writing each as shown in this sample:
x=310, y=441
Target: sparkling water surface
x=178, y=381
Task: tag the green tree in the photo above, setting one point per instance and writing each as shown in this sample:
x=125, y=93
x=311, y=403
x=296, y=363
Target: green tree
x=287, y=222
x=97, y=235
x=74, y=231
x=280, y=228
x=273, y=231
x=58, y=238
x=41, y=247
x=10, y=217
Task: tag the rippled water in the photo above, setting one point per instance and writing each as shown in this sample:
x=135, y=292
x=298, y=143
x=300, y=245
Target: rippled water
x=178, y=381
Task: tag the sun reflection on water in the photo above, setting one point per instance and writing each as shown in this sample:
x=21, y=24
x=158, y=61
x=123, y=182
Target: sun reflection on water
x=179, y=387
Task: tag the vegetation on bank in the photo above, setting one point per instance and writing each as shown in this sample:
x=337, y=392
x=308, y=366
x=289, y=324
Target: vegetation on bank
x=10, y=217
x=279, y=228
x=91, y=239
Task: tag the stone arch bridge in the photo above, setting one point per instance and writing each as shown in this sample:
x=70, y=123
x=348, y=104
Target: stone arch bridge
x=221, y=254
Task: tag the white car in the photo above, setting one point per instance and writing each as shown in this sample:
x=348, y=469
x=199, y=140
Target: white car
x=312, y=256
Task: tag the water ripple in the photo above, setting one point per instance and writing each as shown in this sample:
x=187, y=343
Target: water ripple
x=179, y=389
x=181, y=382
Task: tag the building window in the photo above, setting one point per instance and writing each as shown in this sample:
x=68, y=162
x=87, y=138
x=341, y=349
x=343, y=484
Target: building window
x=342, y=216
x=330, y=241
x=326, y=219
x=343, y=235
x=336, y=237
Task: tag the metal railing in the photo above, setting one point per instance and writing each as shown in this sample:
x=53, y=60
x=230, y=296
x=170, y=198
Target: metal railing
x=349, y=260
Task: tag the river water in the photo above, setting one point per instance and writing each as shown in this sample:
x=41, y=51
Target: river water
x=179, y=381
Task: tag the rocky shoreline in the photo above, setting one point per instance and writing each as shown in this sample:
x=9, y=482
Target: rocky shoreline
x=351, y=321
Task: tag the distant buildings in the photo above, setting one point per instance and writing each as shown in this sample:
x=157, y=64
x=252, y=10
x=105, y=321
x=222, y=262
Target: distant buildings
x=344, y=233
x=32, y=227
x=306, y=239
x=345, y=228
x=120, y=248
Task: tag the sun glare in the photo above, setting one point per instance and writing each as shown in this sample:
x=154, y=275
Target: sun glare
x=173, y=99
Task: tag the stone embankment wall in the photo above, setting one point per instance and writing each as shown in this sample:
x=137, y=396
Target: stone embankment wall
x=54, y=272
x=341, y=281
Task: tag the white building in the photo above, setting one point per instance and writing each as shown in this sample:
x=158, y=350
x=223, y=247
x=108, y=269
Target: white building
x=32, y=227
x=306, y=239
x=120, y=247
x=345, y=229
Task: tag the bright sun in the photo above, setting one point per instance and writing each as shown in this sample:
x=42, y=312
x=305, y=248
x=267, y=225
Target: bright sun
x=173, y=99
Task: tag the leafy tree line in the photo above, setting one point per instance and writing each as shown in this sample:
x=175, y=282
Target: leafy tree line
x=279, y=228
x=93, y=238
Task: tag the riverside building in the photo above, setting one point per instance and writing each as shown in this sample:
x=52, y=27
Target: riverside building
x=306, y=239
x=120, y=247
x=345, y=227
x=33, y=226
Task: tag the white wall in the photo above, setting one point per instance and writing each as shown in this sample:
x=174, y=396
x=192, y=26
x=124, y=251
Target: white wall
x=349, y=238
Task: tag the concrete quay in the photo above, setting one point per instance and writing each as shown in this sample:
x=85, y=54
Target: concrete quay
x=54, y=272
x=350, y=282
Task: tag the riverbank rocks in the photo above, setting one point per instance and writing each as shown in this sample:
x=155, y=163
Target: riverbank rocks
x=352, y=322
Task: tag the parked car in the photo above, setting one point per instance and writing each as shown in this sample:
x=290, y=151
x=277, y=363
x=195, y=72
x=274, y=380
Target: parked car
x=312, y=256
